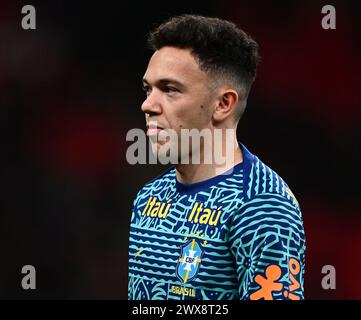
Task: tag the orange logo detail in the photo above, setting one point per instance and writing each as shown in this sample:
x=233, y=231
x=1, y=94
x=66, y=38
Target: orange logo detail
x=269, y=283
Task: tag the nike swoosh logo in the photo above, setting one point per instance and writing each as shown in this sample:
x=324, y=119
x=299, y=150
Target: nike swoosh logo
x=139, y=252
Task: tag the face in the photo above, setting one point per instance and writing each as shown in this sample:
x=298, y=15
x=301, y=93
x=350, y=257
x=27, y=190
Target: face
x=178, y=94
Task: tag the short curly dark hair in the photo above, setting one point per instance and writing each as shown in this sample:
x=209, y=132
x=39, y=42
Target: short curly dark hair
x=219, y=46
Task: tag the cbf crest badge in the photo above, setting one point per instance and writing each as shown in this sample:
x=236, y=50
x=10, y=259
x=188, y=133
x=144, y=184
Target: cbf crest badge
x=190, y=261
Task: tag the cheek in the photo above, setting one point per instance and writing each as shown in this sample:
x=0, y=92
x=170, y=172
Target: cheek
x=192, y=116
x=202, y=112
x=197, y=117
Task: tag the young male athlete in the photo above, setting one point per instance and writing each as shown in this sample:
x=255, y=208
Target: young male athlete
x=210, y=231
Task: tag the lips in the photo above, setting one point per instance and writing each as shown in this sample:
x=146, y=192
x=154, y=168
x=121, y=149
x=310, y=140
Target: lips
x=153, y=129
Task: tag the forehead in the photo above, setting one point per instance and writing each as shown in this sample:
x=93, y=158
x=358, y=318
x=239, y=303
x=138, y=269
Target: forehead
x=170, y=62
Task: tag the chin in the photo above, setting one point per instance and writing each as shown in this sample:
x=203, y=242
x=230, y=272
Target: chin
x=165, y=152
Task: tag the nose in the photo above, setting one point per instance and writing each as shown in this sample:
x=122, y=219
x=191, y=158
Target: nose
x=151, y=104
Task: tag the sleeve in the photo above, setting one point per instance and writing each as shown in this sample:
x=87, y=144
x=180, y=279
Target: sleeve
x=267, y=241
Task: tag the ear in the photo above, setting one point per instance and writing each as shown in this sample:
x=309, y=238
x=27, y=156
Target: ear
x=226, y=103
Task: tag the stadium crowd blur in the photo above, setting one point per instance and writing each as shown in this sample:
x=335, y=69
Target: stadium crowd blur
x=71, y=89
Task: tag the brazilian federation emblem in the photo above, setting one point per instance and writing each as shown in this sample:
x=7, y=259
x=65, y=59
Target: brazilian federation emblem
x=190, y=260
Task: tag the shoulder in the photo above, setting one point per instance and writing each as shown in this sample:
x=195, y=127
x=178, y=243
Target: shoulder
x=269, y=211
x=262, y=182
x=268, y=202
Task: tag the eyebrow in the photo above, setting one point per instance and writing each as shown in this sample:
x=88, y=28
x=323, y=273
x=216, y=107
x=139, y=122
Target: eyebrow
x=165, y=81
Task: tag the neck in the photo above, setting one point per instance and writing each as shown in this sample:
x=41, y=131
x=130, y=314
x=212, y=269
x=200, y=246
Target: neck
x=224, y=158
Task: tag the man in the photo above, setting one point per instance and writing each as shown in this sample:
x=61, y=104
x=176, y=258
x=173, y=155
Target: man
x=209, y=230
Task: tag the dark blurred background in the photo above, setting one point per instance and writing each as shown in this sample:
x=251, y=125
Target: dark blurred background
x=71, y=89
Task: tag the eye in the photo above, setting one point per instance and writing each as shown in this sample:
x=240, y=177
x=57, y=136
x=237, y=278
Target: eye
x=170, y=89
x=147, y=90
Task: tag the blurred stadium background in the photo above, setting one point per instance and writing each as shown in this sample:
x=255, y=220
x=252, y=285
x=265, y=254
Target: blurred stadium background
x=71, y=89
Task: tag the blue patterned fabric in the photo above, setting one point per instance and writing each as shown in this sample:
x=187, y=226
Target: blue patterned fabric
x=238, y=235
